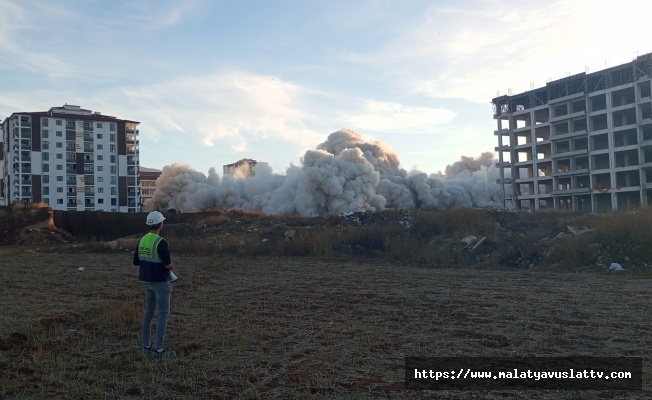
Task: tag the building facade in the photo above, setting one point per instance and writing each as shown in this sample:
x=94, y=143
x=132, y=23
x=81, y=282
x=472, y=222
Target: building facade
x=2, y=168
x=582, y=143
x=71, y=159
x=148, y=177
x=241, y=169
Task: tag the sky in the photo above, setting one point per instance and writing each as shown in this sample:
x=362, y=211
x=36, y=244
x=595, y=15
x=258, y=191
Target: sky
x=212, y=81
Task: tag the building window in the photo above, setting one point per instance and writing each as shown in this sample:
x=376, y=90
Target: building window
x=44, y=133
x=100, y=179
x=45, y=156
x=100, y=201
x=59, y=156
x=112, y=137
x=59, y=201
x=114, y=201
x=112, y=148
x=100, y=168
x=59, y=145
x=99, y=125
x=100, y=147
x=113, y=159
x=114, y=191
x=114, y=180
x=59, y=178
x=88, y=126
x=100, y=190
x=99, y=157
x=45, y=168
x=99, y=136
x=46, y=190
x=59, y=134
x=59, y=190
x=44, y=122
x=59, y=167
x=112, y=127
x=46, y=200
x=114, y=169
x=46, y=178
x=70, y=124
x=58, y=122
x=45, y=145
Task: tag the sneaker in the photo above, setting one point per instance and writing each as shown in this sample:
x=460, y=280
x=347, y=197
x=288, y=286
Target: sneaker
x=147, y=350
x=163, y=354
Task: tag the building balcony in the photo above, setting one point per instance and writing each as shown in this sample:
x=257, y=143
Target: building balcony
x=566, y=192
x=568, y=135
x=568, y=116
x=570, y=153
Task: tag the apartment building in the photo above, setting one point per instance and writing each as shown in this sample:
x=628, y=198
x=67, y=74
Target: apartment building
x=72, y=159
x=243, y=168
x=581, y=143
x=148, y=177
x=2, y=169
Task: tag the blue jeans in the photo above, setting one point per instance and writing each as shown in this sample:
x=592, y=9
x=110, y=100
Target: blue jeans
x=157, y=296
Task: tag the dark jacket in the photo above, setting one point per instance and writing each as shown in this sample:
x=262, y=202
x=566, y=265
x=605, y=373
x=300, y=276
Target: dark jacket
x=152, y=255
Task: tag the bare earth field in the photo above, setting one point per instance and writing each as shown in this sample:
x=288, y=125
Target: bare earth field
x=273, y=328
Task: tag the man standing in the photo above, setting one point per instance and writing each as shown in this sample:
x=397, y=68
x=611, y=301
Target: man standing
x=153, y=258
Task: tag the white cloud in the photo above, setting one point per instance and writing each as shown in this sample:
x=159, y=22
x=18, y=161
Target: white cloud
x=474, y=49
x=155, y=14
x=226, y=108
x=386, y=116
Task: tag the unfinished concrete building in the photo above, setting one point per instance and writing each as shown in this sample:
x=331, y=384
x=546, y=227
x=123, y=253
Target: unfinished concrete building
x=582, y=143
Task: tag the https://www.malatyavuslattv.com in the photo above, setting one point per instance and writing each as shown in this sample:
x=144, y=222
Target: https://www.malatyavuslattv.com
x=559, y=373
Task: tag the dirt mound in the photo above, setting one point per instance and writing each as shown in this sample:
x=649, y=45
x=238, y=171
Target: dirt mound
x=30, y=224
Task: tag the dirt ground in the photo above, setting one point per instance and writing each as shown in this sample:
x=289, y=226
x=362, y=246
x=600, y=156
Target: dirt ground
x=296, y=328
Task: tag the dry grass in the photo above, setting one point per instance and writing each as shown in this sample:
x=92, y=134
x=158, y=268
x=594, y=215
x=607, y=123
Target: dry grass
x=265, y=328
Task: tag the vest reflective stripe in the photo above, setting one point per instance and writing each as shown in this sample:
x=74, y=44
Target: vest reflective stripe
x=148, y=248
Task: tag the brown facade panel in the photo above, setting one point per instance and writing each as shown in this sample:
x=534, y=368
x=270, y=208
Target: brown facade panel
x=36, y=132
x=122, y=191
x=122, y=138
x=36, y=189
x=79, y=163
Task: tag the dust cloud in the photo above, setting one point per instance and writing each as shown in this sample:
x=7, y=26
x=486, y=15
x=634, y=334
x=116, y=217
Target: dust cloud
x=343, y=174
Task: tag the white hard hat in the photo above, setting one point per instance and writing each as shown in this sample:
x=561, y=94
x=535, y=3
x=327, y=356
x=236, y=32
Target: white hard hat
x=155, y=218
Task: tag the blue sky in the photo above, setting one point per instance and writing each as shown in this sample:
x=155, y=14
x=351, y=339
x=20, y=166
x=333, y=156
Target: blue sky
x=215, y=81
